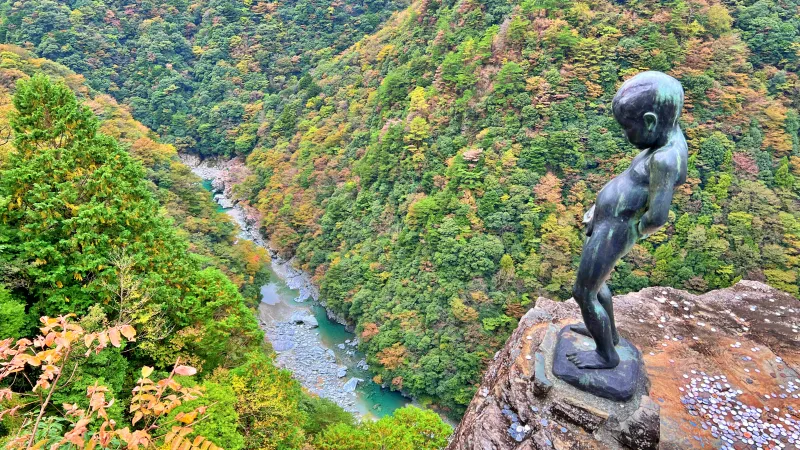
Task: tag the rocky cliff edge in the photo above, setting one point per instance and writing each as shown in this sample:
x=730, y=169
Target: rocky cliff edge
x=722, y=369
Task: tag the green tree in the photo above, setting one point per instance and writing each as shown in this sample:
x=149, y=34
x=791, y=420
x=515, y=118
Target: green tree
x=267, y=402
x=719, y=20
x=12, y=315
x=322, y=414
x=713, y=151
x=69, y=197
x=220, y=421
x=518, y=29
x=510, y=79
x=783, y=177
x=770, y=31
x=410, y=428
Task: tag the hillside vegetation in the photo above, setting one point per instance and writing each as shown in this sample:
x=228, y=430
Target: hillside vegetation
x=128, y=311
x=210, y=233
x=202, y=74
x=435, y=179
x=432, y=176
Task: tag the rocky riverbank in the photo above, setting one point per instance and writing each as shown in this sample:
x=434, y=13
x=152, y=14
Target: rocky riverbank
x=294, y=278
x=223, y=174
x=292, y=331
x=316, y=367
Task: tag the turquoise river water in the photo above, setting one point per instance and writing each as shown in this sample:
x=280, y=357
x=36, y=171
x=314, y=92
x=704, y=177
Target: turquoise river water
x=279, y=302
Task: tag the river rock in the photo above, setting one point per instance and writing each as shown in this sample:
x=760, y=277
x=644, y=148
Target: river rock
x=224, y=201
x=304, y=317
x=294, y=278
x=313, y=365
x=712, y=361
x=351, y=384
x=282, y=343
x=341, y=372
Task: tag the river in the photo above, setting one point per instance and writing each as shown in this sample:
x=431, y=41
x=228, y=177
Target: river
x=314, y=355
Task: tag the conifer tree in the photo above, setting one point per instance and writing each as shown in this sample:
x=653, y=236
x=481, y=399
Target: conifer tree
x=70, y=197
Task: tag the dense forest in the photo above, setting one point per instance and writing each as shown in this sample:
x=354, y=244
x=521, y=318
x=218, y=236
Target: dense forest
x=436, y=178
x=204, y=75
x=432, y=175
x=106, y=313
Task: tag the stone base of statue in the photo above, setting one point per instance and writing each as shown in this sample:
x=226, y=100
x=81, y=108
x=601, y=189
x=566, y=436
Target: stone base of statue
x=521, y=405
x=618, y=384
x=611, y=405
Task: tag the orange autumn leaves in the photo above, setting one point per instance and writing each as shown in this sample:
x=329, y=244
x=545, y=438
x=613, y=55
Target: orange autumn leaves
x=91, y=427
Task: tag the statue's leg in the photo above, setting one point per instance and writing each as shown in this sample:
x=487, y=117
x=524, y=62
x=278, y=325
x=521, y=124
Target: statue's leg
x=609, y=242
x=599, y=326
x=605, y=298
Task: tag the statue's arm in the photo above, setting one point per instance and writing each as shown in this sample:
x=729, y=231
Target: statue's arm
x=663, y=170
x=588, y=221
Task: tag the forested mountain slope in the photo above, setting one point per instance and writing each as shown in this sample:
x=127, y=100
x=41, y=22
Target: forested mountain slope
x=432, y=176
x=203, y=74
x=211, y=233
x=436, y=173
x=85, y=241
x=82, y=233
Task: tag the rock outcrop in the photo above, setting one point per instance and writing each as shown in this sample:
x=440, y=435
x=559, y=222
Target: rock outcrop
x=722, y=370
x=305, y=318
x=351, y=384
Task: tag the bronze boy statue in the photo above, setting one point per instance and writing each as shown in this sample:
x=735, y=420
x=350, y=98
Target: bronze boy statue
x=631, y=206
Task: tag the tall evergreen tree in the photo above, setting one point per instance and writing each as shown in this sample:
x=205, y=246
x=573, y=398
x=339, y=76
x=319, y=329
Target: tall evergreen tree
x=71, y=199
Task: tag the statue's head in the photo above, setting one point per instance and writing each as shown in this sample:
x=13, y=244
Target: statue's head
x=648, y=106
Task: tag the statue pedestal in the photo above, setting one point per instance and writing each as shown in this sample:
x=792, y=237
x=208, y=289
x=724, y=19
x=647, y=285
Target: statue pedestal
x=618, y=384
x=611, y=405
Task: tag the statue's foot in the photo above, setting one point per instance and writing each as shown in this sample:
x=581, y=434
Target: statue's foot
x=593, y=360
x=582, y=330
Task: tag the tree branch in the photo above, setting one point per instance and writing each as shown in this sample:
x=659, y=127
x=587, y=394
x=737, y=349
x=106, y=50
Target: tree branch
x=47, y=400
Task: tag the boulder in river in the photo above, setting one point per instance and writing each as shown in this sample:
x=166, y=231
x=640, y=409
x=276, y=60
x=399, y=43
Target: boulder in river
x=223, y=201
x=341, y=371
x=351, y=384
x=282, y=343
x=304, y=317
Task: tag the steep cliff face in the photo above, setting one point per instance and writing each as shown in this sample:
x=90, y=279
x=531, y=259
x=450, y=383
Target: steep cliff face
x=722, y=368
